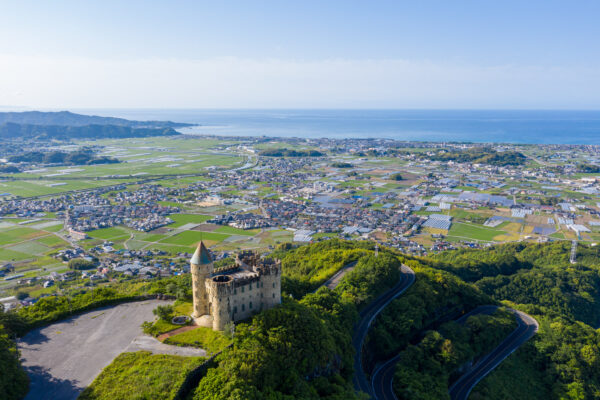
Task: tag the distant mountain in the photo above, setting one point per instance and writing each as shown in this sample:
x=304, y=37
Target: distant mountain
x=11, y=130
x=67, y=118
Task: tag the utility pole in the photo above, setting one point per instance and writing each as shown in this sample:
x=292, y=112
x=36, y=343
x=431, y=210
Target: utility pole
x=573, y=258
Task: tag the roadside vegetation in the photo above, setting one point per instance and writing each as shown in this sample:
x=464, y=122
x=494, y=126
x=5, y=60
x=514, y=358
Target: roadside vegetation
x=13, y=379
x=562, y=360
x=204, y=338
x=303, y=348
x=426, y=370
x=141, y=375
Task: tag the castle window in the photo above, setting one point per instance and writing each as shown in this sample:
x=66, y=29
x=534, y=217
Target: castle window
x=234, y=291
x=261, y=295
x=242, y=289
x=243, y=307
x=273, y=284
x=273, y=295
x=257, y=285
x=234, y=309
x=261, y=284
x=250, y=305
x=250, y=287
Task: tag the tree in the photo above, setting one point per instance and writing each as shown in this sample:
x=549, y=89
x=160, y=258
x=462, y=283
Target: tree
x=80, y=264
x=164, y=312
x=21, y=295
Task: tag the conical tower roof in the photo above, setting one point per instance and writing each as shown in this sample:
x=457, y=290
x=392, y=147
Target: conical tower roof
x=201, y=255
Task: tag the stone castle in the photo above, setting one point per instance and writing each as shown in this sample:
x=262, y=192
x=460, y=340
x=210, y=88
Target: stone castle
x=233, y=293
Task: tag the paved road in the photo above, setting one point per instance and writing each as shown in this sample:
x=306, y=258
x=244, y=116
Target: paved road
x=527, y=326
x=525, y=330
x=332, y=282
x=367, y=316
x=63, y=358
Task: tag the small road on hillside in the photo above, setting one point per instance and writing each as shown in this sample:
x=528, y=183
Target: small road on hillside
x=335, y=280
x=525, y=330
x=367, y=316
x=527, y=327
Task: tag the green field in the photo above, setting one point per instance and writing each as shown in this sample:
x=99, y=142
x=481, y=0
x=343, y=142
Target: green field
x=108, y=234
x=182, y=219
x=235, y=231
x=475, y=232
x=205, y=338
x=190, y=238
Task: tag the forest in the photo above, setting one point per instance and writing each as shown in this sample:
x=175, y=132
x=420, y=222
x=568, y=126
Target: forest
x=481, y=156
x=81, y=157
x=561, y=361
x=290, y=153
x=303, y=348
x=10, y=130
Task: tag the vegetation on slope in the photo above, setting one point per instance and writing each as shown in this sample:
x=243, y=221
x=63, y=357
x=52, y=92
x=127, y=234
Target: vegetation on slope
x=66, y=118
x=302, y=348
x=306, y=267
x=425, y=371
x=82, y=157
x=11, y=130
x=562, y=360
x=141, y=375
x=435, y=297
x=481, y=156
x=13, y=379
x=54, y=308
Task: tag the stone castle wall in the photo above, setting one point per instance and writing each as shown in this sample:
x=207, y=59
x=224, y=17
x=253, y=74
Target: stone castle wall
x=238, y=299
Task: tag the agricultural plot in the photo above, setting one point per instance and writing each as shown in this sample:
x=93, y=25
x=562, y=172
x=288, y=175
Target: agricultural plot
x=182, y=219
x=235, y=231
x=113, y=233
x=463, y=231
x=190, y=238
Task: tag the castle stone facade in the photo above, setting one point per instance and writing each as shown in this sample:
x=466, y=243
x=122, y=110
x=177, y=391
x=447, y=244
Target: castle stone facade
x=234, y=293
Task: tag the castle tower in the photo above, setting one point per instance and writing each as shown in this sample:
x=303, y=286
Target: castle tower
x=201, y=266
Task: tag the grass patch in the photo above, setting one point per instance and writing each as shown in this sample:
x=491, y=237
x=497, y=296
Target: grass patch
x=473, y=232
x=190, y=238
x=236, y=231
x=205, y=338
x=10, y=255
x=182, y=219
x=30, y=247
x=141, y=375
x=52, y=241
x=108, y=234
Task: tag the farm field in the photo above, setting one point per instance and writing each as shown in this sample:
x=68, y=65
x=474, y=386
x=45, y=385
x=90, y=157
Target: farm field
x=464, y=231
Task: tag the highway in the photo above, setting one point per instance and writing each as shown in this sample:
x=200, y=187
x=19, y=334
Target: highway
x=361, y=383
x=527, y=327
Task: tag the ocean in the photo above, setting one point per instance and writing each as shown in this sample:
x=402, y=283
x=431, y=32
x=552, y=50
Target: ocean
x=497, y=126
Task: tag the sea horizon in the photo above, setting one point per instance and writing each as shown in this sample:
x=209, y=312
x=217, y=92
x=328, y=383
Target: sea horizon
x=436, y=125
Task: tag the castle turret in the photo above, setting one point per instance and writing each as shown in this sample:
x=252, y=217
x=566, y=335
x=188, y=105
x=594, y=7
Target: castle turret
x=201, y=266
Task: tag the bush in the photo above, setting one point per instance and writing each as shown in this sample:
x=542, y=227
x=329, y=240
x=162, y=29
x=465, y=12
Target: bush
x=164, y=312
x=81, y=264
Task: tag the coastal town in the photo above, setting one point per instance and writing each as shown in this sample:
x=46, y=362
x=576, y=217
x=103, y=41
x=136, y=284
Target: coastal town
x=420, y=198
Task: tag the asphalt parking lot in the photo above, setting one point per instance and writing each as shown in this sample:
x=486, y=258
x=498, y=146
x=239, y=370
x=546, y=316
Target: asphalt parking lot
x=65, y=357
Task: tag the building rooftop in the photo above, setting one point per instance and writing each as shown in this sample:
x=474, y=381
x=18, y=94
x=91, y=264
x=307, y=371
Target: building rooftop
x=201, y=255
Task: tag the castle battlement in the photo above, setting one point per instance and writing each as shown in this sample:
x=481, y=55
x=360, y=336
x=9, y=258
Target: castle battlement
x=233, y=293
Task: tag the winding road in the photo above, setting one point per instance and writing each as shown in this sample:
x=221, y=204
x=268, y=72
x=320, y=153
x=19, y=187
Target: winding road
x=367, y=316
x=460, y=390
x=525, y=330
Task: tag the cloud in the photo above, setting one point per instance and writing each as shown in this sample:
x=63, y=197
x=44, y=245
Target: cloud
x=275, y=83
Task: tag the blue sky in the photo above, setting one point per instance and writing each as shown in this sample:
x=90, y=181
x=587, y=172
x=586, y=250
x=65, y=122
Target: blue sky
x=284, y=54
